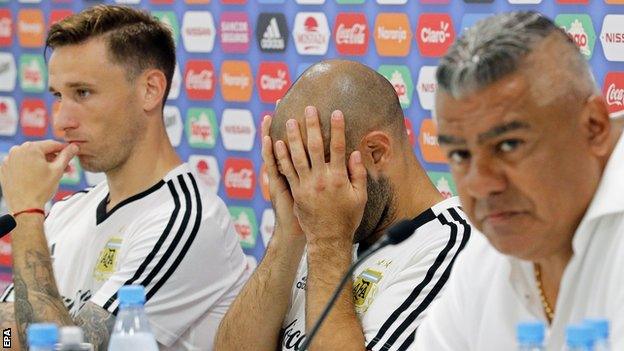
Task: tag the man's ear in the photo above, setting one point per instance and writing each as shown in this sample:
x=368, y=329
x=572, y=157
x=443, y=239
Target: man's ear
x=596, y=125
x=153, y=85
x=377, y=150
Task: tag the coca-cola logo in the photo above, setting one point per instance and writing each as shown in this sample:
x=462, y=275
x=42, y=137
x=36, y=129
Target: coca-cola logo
x=273, y=81
x=351, y=34
x=33, y=118
x=239, y=178
x=200, y=80
x=613, y=91
x=434, y=34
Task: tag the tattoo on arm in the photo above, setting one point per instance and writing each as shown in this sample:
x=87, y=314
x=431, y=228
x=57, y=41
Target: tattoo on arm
x=36, y=297
x=96, y=323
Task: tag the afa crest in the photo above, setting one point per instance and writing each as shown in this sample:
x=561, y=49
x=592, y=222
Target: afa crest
x=105, y=266
x=365, y=288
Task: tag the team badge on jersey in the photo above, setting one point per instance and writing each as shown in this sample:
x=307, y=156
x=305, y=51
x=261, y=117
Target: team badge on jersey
x=105, y=266
x=365, y=288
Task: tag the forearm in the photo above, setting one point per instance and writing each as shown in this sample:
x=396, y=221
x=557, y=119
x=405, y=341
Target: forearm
x=254, y=320
x=327, y=264
x=36, y=296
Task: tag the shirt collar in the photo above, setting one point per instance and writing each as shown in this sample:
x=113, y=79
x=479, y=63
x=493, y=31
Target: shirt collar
x=608, y=198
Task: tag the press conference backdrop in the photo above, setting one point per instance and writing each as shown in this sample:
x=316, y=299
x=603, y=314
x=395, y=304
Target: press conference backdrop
x=236, y=57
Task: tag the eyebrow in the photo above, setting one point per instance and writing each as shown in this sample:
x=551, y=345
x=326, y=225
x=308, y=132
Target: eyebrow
x=483, y=137
x=73, y=85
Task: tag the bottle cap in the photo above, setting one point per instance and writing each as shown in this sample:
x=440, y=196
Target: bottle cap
x=42, y=334
x=531, y=332
x=131, y=295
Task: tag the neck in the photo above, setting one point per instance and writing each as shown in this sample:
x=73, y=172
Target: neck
x=551, y=271
x=150, y=160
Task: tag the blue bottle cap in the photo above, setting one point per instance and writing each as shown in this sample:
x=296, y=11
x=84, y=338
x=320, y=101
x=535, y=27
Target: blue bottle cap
x=131, y=295
x=579, y=335
x=600, y=326
x=530, y=332
x=42, y=334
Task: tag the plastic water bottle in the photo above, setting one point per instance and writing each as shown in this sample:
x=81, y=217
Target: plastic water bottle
x=71, y=339
x=579, y=337
x=131, y=331
x=42, y=336
x=601, y=333
x=530, y=336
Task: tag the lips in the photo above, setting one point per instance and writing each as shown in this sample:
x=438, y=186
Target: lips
x=501, y=216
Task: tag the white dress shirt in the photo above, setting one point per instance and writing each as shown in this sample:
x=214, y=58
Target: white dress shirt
x=489, y=293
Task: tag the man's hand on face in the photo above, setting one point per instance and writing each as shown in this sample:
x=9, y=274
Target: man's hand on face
x=329, y=197
x=31, y=172
x=281, y=198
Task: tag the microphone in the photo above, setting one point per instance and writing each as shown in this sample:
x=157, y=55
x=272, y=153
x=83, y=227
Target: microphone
x=7, y=223
x=395, y=235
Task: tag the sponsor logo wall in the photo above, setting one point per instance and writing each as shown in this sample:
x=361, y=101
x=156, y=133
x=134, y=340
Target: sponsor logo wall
x=237, y=57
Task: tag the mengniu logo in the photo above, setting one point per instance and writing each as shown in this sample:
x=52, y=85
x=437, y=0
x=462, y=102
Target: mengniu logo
x=273, y=80
x=6, y=28
x=239, y=178
x=267, y=225
x=245, y=224
x=71, y=176
x=198, y=31
x=173, y=123
x=34, y=118
x=612, y=37
x=613, y=91
x=58, y=15
x=207, y=170
x=580, y=29
x=200, y=80
x=392, y=34
x=235, y=32
x=410, y=131
x=428, y=142
x=444, y=182
x=8, y=72
x=351, y=34
x=236, y=81
x=32, y=73
x=401, y=79
x=434, y=34
x=30, y=28
x=201, y=128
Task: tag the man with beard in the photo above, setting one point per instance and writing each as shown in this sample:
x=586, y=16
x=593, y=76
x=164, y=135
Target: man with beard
x=150, y=223
x=342, y=173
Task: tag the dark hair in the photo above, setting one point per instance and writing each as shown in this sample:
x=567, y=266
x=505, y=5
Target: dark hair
x=135, y=38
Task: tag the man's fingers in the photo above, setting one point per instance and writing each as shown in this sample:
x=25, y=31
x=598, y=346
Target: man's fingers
x=316, y=150
x=286, y=165
x=337, y=144
x=64, y=157
x=357, y=172
x=298, y=154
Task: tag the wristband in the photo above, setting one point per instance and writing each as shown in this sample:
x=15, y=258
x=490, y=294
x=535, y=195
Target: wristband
x=30, y=210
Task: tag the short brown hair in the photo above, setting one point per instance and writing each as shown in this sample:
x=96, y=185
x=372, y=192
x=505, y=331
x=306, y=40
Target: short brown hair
x=135, y=38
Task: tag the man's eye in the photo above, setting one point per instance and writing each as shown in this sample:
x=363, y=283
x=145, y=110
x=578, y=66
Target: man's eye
x=458, y=156
x=509, y=145
x=83, y=93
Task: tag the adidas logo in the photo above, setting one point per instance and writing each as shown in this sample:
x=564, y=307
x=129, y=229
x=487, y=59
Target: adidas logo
x=272, y=38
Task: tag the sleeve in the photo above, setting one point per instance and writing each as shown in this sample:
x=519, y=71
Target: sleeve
x=396, y=312
x=188, y=259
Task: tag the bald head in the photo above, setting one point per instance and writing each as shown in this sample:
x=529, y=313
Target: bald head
x=367, y=100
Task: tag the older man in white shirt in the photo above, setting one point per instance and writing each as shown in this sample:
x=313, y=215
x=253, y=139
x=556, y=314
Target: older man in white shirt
x=540, y=171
